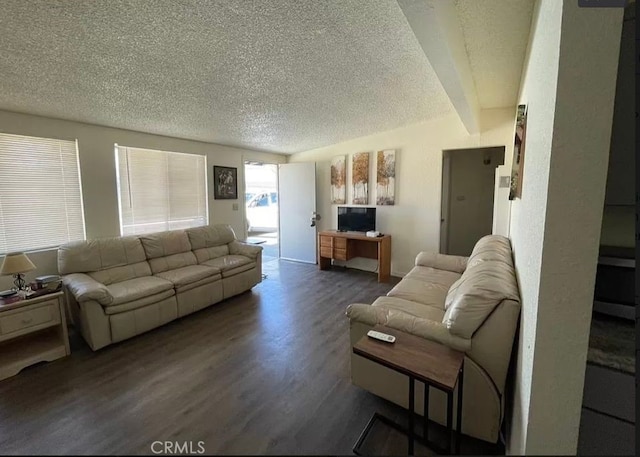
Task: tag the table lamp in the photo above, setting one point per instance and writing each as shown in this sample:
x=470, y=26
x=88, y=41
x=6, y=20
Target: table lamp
x=17, y=263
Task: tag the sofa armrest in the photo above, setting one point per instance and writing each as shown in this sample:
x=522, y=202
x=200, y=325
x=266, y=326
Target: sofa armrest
x=85, y=288
x=424, y=328
x=453, y=263
x=248, y=250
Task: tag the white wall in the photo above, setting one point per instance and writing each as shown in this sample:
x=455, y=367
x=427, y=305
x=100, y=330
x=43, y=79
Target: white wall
x=414, y=222
x=568, y=84
x=98, y=173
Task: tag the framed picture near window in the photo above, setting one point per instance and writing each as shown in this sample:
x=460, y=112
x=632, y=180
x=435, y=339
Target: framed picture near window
x=225, y=183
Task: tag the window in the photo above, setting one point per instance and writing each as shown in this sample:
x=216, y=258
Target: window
x=40, y=193
x=160, y=190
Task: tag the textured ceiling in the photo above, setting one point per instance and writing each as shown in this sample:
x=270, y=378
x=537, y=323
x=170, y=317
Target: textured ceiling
x=276, y=75
x=496, y=33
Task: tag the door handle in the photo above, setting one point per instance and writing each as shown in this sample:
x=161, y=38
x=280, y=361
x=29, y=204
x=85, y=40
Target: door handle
x=315, y=217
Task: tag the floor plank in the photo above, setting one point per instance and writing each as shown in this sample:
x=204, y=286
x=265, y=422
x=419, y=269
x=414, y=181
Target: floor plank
x=266, y=372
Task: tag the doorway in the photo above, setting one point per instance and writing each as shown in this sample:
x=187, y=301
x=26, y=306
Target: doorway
x=261, y=207
x=468, y=183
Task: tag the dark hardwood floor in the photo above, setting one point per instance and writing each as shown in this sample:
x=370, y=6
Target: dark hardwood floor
x=266, y=372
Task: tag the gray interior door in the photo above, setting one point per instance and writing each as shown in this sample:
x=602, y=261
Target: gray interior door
x=468, y=187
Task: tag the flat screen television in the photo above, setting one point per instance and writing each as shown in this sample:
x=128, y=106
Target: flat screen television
x=356, y=219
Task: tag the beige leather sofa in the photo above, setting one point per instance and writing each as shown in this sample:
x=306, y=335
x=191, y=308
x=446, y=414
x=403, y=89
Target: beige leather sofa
x=120, y=287
x=470, y=304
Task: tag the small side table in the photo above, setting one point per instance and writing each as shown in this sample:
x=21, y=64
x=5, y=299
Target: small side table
x=32, y=330
x=429, y=362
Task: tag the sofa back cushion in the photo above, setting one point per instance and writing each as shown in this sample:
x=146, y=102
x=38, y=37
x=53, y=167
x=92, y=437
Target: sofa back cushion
x=122, y=273
x=121, y=257
x=476, y=294
x=168, y=250
x=211, y=242
x=210, y=236
x=205, y=254
x=491, y=248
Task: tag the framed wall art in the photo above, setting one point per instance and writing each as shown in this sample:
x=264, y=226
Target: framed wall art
x=225, y=183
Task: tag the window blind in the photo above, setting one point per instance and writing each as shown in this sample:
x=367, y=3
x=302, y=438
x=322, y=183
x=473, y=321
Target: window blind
x=159, y=190
x=40, y=193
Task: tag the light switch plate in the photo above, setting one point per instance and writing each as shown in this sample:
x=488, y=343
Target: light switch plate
x=505, y=181
x=235, y=207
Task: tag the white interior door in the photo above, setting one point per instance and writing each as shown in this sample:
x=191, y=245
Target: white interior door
x=297, y=198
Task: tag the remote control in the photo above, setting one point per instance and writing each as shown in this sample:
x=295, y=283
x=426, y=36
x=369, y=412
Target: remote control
x=381, y=336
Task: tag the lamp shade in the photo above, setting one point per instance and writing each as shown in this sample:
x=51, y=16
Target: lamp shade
x=16, y=262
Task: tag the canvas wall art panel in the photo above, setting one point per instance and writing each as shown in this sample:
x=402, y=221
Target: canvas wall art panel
x=517, y=167
x=360, y=178
x=339, y=180
x=386, y=177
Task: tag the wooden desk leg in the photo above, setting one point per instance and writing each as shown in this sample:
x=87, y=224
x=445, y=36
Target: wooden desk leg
x=384, y=260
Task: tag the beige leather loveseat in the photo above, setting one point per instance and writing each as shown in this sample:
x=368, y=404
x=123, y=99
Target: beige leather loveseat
x=120, y=287
x=471, y=304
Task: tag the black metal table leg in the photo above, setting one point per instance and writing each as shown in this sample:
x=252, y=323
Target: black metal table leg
x=411, y=412
x=459, y=419
x=449, y=421
x=363, y=435
x=425, y=414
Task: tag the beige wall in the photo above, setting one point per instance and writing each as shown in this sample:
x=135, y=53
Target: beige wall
x=568, y=84
x=414, y=222
x=98, y=173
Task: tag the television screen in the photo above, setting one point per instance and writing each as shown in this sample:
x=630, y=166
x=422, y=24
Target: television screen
x=356, y=219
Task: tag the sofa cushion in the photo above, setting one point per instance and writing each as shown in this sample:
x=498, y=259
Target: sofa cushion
x=491, y=248
x=425, y=285
x=451, y=294
x=189, y=274
x=99, y=254
x=134, y=289
x=121, y=273
x=210, y=236
x=410, y=307
x=447, y=262
x=204, y=254
x=476, y=295
x=164, y=244
x=172, y=262
x=230, y=265
x=139, y=303
x=434, y=275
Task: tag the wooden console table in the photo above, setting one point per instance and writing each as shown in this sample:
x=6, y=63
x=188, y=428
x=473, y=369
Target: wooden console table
x=347, y=245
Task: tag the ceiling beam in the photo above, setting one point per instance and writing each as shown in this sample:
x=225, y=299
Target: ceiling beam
x=436, y=25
